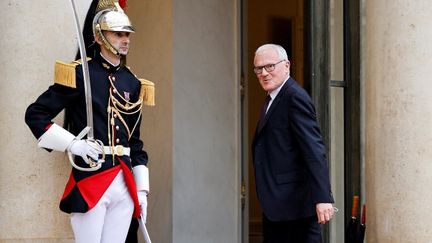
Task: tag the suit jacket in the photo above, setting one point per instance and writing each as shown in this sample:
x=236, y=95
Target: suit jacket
x=289, y=157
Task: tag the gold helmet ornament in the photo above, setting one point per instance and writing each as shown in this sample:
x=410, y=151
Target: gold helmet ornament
x=110, y=17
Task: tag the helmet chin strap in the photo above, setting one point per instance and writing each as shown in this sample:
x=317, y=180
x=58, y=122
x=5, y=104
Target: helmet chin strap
x=105, y=42
x=108, y=46
x=111, y=48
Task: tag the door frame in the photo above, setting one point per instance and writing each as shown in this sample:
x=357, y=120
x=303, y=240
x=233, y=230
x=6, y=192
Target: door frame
x=317, y=68
x=352, y=101
x=317, y=83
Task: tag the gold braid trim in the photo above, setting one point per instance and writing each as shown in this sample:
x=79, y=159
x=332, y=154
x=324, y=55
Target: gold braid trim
x=64, y=74
x=147, y=93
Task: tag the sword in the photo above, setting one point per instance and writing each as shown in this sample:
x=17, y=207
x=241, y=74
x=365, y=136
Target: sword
x=94, y=165
x=143, y=228
x=86, y=74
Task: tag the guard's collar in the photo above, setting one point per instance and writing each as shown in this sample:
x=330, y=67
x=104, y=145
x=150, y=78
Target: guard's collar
x=107, y=64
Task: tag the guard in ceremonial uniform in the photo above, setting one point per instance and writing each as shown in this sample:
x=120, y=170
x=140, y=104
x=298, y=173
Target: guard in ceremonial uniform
x=109, y=181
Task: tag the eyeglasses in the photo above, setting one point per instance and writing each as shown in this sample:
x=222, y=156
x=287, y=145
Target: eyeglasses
x=268, y=67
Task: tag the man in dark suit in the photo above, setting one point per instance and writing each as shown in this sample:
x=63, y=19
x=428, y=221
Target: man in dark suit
x=292, y=179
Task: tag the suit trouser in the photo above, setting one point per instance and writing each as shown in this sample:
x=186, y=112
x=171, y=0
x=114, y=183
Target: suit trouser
x=306, y=230
x=109, y=220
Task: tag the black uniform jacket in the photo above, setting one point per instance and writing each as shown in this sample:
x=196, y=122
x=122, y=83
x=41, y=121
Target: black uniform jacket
x=290, y=158
x=84, y=189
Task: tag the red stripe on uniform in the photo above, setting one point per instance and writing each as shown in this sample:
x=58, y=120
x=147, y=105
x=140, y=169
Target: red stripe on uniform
x=92, y=188
x=130, y=182
x=48, y=126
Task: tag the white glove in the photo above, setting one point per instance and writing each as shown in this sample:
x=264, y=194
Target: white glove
x=142, y=200
x=85, y=149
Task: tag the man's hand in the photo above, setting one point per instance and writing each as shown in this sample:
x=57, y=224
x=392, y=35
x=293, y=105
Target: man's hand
x=324, y=212
x=85, y=149
x=142, y=200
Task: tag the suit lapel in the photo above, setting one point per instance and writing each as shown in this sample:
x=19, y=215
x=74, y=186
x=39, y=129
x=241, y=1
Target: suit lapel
x=275, y=102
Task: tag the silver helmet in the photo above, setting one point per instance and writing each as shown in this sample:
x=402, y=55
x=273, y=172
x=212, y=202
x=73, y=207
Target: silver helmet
x=110, y=17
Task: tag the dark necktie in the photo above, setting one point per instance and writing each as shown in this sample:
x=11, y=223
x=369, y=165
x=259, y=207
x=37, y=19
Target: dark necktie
x=263, y=112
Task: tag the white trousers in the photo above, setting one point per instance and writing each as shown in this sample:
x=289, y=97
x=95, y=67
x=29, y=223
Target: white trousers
x=109, y=220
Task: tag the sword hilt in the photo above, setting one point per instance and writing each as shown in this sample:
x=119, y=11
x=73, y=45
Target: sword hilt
x=94, y=164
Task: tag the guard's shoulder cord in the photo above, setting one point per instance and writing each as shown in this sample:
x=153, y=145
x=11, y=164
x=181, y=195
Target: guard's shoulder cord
x=117, y=109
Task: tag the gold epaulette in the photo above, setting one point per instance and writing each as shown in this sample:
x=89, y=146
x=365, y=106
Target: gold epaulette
x=147, y=92
x=64, y=74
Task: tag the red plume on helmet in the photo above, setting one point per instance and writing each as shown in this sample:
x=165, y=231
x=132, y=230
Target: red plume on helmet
x=123, y=4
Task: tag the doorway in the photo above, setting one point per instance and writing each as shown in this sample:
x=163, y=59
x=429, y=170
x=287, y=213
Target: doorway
x=323, y=50
x=275, y=21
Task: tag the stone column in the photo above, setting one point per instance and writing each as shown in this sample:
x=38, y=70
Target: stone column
x=398, y=121
x=151, y=58
x=206, y=124
x=189, y=49
x=34, y=35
